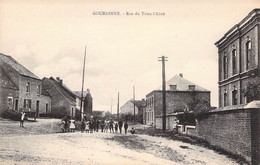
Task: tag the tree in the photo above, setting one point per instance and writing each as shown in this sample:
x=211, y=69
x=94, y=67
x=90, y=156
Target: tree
x=252, y=90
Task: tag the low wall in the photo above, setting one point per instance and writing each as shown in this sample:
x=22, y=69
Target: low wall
x=170, y=122
x=236, y=131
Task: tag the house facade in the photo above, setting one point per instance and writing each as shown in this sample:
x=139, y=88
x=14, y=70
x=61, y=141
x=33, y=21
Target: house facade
x=130, y=105
x=181, y=95
x=63, y=99
x=238, y=58
x=21, y=89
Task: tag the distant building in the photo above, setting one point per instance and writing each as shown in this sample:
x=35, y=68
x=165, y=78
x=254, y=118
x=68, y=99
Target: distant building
x=128, y=107
x=64, y=101
x=239, y=60
x=87, y=101
x=20, y=89
x=181, y=95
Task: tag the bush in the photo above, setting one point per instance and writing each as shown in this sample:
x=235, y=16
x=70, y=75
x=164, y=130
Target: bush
x=12, y=114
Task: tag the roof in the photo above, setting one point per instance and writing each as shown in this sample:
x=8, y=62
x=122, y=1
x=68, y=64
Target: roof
x=17, y=66
x=182, y=84
x=5, y=80
x=63, y=90
x=78, y=93
x=139, y=103
x=237, y=26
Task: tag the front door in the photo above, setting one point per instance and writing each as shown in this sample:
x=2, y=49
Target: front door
x=37, y=107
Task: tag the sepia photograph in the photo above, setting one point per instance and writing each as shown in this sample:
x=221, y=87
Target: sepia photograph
x=105, y=82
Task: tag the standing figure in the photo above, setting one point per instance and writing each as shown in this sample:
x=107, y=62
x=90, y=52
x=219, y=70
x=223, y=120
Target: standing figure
x=91, y=125
x=94, y=125
x=87, y=127
x=111, y=125
x=22, y=119
x=116, y=127
x=126, y=126
x=62, y=126
x=120, y=124
x=97, y=125
x=102, y=124
x=83, y=125
x=106, y=126
x=66, y=123
x=72, y=125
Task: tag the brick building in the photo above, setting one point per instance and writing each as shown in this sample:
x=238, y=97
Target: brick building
x=238, y=58
x=64, y=101
x=20, y=89
x=181, y=94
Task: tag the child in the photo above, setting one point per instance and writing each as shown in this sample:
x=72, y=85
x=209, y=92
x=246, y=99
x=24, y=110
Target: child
x=132, y=131
x=116, y=127
x=87, y=127
x=62, y=126
x=72, y=125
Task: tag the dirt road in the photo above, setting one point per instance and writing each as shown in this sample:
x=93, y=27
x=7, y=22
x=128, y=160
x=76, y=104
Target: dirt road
x=102, y=148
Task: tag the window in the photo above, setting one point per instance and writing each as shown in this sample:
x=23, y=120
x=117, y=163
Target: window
x=191, y=87
x=16, y=105
x=173, y=87
x=27, y=87
x=234, y=96
x=225, y=66
x=27, y=104
x=152, y=102
x=47, y=108
x=72, y=111
x=37, y=106
x=38, y=89
x=10, y=102
x=225, y=98
x=234, y=61
x=248, y=54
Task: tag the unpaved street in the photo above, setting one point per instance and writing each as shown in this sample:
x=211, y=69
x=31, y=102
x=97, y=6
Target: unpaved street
x=102, y=148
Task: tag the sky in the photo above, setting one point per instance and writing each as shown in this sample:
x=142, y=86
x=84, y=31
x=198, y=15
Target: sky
x=49, y=39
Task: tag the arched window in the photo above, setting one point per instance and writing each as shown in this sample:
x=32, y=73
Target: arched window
x=225, y=98
x=234, y=61
x=225, y=66
x=248, y=54
x=234, y=96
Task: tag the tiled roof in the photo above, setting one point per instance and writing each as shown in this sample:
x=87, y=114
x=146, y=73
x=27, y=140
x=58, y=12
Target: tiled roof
x=63, y=90
x=139, y=103
x=78, y=93
x=5, y=81
x=182, y=84
x=17, y=66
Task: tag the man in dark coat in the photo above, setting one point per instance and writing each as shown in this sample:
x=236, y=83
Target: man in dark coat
x=111, y=125
x=102, y=124
x=120, y=125
x=126, y=126
x=97, y=125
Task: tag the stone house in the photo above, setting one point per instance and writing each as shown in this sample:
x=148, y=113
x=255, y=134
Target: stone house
x=20, y=89
x=181, y=95
x=128, y=107
x=64, y=101
x=238, y=59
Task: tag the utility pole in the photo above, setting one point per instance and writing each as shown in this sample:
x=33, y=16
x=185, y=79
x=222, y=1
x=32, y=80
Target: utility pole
x=163, y=59
x=118, y=106
x=81, y=99
x=134, y=101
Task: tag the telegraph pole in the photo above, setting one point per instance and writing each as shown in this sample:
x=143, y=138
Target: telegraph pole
x=111, y=105
x=134, y=101
x=163, y=59
x=118, y=106
x=81, y=99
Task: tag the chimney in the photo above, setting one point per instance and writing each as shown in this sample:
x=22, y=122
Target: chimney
x=181, y=75
x=58, y=79
x=88, y=90
x=61, y=81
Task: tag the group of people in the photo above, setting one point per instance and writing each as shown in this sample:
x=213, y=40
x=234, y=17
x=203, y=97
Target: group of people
x=68, y=125
x=90, y=126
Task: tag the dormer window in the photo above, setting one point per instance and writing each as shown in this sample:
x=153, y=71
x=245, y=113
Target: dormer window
x=173, y=87
x=191, y=87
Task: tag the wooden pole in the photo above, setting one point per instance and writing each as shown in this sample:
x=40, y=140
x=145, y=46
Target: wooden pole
x=81, y=99
x=118, y=106
x=134, y=101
